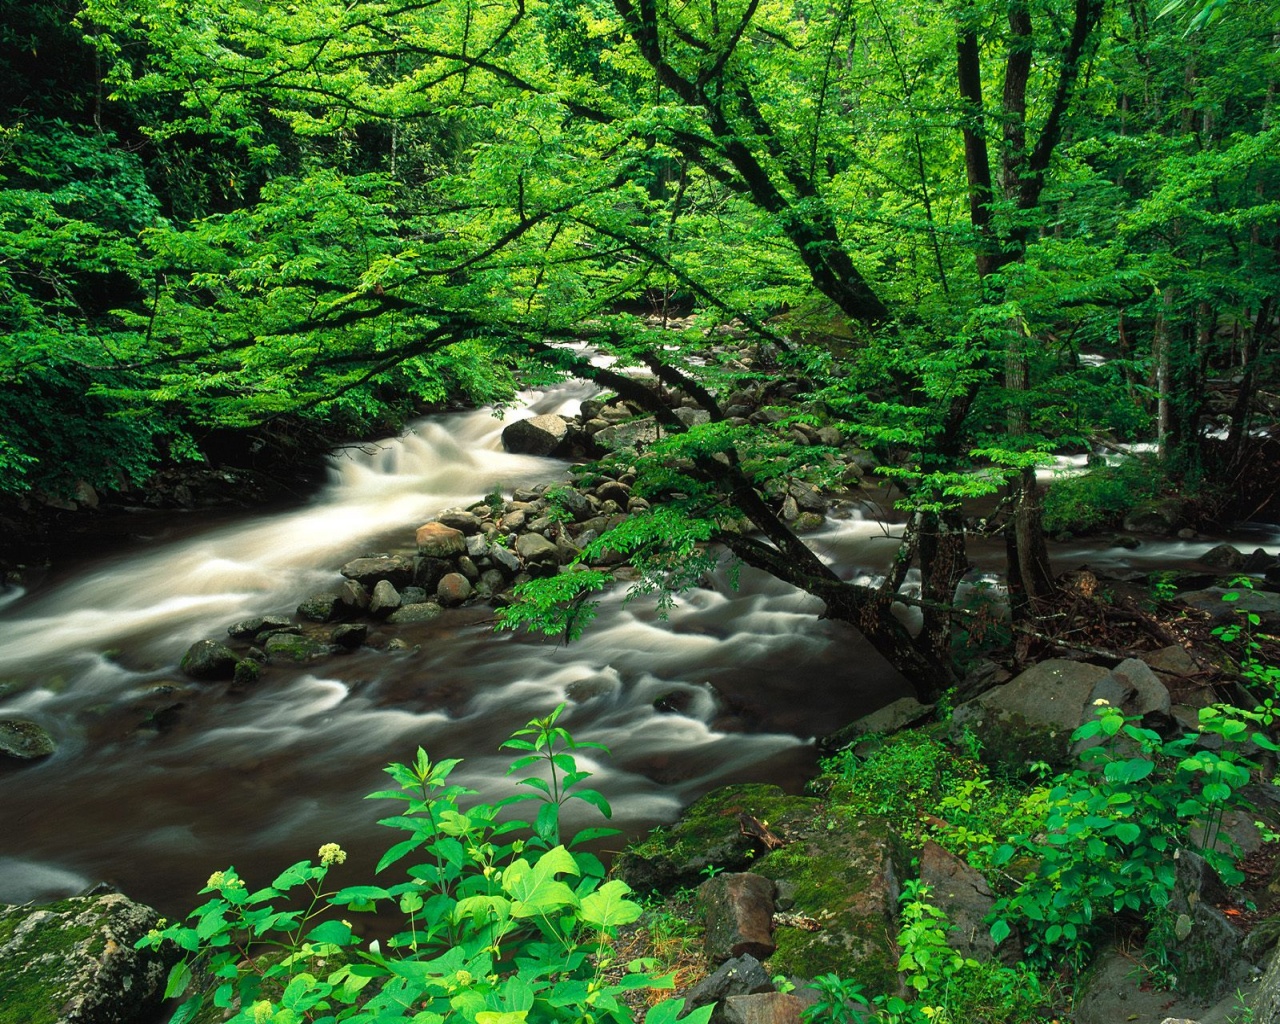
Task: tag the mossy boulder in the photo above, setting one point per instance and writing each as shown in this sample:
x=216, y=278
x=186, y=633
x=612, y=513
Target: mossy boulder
x=709, y=834
x=848, y=882
x=73, y=962
x=289, y=647
x=21, y=740
x=209, y=661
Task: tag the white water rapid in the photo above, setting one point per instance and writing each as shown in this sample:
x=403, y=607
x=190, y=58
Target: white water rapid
x=158, y=781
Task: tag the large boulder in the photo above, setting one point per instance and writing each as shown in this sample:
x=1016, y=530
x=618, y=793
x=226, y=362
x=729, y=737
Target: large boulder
x=453, y=589
x=899, y=714
x=1031, y=717
x=1262, y=603
x=739, y=916
x=1134, y=688
x=538, y=435
x=435, y=540
x=209, y=661
x=21, y=740
x=368, y=571
x=631, y=436
x=74, y=962
x=385, y=599
x=966, y=897
x=535, y=549
x=847, y=883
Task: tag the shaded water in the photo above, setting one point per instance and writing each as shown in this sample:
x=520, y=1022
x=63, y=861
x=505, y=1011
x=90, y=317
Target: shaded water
x=260, y=780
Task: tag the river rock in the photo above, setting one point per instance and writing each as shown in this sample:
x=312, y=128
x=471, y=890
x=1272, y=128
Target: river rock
x=74, y=962
x=460, y=519
x=394, y=568
x=354, y=598
x=896, y=715
x=611, y=490
x=739, y=916
x=453, y=589
x=477, y=546
x=427, y=572
x=287, y=647
x=741, y=976
x=1264, y=604
x=631, y=436
x=535, y=549
x=208, y=661
x=21, y=740
x=1223, y=556
x=538, y=435
x=410, y=613
x=322, y=608
x=506, y=559
x=413, y=595
x=807, y=497
x=436, y=540
x=385, y=599
x=247, y=629
x=1136, y=690
x=1031, y=717
x=349, y=635
x=1163, y=517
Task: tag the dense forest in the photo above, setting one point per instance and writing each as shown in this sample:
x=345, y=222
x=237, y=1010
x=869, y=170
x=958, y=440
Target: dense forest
x=978, y=233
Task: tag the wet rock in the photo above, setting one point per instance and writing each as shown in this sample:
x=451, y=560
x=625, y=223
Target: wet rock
x=247, y=673
x=395, y=569
x=322, y=608
x=468, y=569
x=385, y=599
x=413, y=595
x=1258, y=561
x=21, y=740
x=410, y=613
x=807, y=497
x=1125, y=540
x=1162, y=517
x=1135, y=689
x=453, y=589
x=534, y=549
x=1172, y=662
x=538, y=435
x=209, y=661
x=1206, y=949
x=808, y=522
x=74, y=962
x=762, y=1008
x=505, y=558
x=435, y=540
x=514, y=520
x=247, y=629
x=285, y=647
x=427, y=572
x=1223, y=556
x=1262, y=603
x=350, y=635
x=739, y=916
x=611, y=490
x=525, y=495
x=354, y=597
x=477, y=546
x=896, y=715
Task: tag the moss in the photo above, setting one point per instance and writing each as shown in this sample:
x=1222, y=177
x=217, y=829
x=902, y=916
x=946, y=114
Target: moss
x=29, y=995
x=708, y=834
x=848, y=883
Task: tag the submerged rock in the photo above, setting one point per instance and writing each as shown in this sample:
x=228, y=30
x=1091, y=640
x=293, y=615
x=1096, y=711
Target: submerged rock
x=21, y=740
x=74, y=962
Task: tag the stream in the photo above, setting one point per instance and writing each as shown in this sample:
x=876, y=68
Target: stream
x=261, y=779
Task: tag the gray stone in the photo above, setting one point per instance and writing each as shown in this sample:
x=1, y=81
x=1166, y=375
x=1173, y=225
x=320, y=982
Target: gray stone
x=1031, y=717
x=1263, y=603
x=762, y=1008
x=413, y=595
x=692, y=417
x=1207, y=945
x=353, y=597
x=505, y=558
x=808, y=497
x=396, y=569
x=209, y=661
x=409, y=613
x=428, y=570
x=1223, y=556
x=739, y=916
x=321, y=608
x=74, y=962
x=1134, y=688
x=385, y=600
x=573, y=502
x=741, y=976
x=454, y=588
x=468, y=569
x=965, y=896
x=460, y=520
x=534, y=549
x=631, y=436
x=21, y=740
x=1173, y=661
x=477, y=546
x=538, y=435
x=611, y=490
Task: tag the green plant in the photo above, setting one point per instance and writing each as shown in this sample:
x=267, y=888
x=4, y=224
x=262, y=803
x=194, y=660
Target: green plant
x=1261, y=678
x=1111, y=828
x=502, y=922
x=840, y=1001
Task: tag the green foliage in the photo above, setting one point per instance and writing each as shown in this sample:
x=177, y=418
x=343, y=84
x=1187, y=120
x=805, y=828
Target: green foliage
x=503, y=924
x=1111, y=829
x=1102, y=496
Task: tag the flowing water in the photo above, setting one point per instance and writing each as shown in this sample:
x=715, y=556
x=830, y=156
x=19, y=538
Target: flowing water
x=262, y=779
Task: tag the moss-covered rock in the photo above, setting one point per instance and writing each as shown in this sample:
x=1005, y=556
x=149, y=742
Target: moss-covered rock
x=73, y=962
x=848, y=882
x=288, y=647
x=21, y=740
x=708, y=833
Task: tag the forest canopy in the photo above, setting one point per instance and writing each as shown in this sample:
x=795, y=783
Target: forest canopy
x=980, y=231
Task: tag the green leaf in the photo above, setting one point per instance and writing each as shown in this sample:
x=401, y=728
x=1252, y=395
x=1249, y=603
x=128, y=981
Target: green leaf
x=335, y=932
x=608, y=906
x=179, y=978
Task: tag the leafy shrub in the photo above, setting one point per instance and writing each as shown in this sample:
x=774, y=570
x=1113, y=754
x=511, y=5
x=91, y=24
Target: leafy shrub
x=503, y=922
x=1102, y=497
